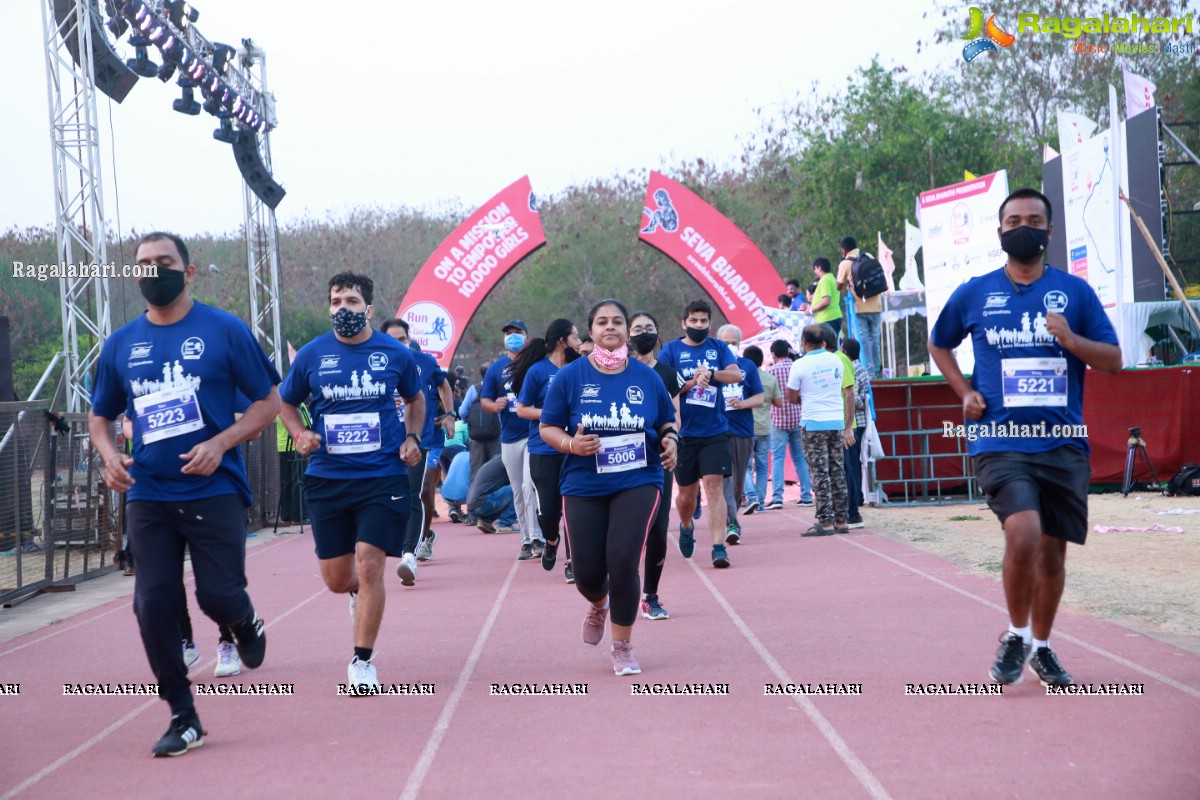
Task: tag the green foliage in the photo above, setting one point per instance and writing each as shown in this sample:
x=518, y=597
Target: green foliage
x=845, y=161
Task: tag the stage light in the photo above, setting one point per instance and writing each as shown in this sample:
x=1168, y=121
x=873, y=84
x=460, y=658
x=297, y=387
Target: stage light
x=222, y=55
x=166, y=72
x=142, y=64
x=187, y=103
x=112, y=76
x=117, y=24
x=157, y=32
x=181, y=13
x=226, y=133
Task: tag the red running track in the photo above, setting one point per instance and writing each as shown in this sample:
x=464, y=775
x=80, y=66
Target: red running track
x=855, y=609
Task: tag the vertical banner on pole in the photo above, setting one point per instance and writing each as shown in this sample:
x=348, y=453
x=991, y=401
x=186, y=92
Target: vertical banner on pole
x=464, y=268
x=958, y=235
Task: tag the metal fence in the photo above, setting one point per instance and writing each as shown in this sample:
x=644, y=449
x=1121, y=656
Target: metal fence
x=59, y=524
x=922, y=465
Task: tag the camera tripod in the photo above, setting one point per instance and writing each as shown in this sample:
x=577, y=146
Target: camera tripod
x=1137, y=445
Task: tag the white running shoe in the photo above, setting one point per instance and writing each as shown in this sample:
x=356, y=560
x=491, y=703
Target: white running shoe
x=191, y=654
x=425, y=548
x=360, y=677
x=407, y=569
x=228, y=661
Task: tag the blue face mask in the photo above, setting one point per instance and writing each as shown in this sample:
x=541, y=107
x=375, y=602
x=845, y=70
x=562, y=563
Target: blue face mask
x=514, y=341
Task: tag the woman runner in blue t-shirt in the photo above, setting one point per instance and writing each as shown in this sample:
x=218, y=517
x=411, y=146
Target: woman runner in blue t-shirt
x=611, y=480
x=533, y=372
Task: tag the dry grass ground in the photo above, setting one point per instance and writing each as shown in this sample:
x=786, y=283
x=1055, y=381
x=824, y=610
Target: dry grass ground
x=1148, y=581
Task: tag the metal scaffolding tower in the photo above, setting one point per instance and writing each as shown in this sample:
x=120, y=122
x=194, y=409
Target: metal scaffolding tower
x=235, y=92
x=262, y=234
x=78, y=195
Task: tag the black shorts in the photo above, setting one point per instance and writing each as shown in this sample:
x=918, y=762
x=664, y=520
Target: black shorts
x=345, y=512
x=1054, y=484
x=702, y=456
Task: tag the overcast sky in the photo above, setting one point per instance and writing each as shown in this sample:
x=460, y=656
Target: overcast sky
x=422, y=104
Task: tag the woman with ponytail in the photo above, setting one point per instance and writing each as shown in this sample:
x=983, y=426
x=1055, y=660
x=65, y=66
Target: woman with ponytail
x=533, y=372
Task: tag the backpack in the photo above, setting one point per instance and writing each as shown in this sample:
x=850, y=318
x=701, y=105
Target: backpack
x=1186, y=481
x=482, y=426
x=868, y=277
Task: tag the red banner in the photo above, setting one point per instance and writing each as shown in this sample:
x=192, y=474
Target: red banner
x=467, y=266
x=714, y=251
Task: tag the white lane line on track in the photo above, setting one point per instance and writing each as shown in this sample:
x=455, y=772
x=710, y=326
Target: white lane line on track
x=104, y=734
x=1174, y=684
x=853, y=762
x=64, y=629
x=425, y=762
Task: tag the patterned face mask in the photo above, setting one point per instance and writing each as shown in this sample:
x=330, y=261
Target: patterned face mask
x=347, y=323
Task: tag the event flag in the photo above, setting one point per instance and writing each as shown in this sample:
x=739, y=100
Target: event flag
x=885, y=260
x=910, y=281
x=714, y=251
x=1139, y=94
x=1073, y=129
x=969, y=176
x=467, y=266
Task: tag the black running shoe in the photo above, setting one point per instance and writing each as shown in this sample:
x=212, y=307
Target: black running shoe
x=1010, y=660
x=251, y=643
x=569, y=573
x=1046, y=665
x=184, y=733
x=526, y=552
x=549, y=555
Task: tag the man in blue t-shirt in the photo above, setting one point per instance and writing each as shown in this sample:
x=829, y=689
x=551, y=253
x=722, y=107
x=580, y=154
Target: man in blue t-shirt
x=741, y=399
x=703, y=364
x=1035, y=330
x=497, y=397
x=422, y=476
x=175, y=373
x=356, y=484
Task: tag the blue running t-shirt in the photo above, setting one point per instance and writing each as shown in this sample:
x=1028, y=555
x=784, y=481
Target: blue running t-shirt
x=1025, y=377
x=700, y=410
x=353, y=411
x=626, y=410
x=741, y=421
x=533, y=394
x=497, y=385
x=179, y=386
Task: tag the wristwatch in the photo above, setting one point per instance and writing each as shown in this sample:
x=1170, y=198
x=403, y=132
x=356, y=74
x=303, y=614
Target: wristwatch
x=413, y=436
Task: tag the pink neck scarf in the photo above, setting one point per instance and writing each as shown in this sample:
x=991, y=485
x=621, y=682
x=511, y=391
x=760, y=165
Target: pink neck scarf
x=610, y=359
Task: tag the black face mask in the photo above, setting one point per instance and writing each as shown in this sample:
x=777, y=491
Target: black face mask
x=644, y=342
x=697, y=335
x=1024, y=243
x=162, y=289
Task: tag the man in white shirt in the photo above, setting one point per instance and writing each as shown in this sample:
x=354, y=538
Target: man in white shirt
x=815, y=382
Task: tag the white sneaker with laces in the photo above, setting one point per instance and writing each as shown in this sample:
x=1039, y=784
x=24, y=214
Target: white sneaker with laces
x=191, y=654
x=228, y=661
x=361, y=677
x=425, y=548
x=407, y=569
